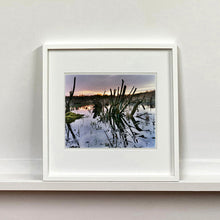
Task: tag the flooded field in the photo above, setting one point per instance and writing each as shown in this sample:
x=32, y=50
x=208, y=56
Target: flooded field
x=111, y=114
x=93, y=132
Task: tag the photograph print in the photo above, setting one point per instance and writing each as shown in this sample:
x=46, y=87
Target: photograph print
x=110, y=111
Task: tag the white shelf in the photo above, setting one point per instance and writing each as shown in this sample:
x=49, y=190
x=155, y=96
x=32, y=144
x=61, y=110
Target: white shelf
x=196, y=175
x=38, y=185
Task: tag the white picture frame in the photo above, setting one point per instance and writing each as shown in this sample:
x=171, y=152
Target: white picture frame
x=163, y=169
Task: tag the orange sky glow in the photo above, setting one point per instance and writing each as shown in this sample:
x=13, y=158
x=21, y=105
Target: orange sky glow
x=88, y=85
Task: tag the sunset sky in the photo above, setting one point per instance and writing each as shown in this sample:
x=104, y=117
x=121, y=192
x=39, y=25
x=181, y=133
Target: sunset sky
x=97, y=84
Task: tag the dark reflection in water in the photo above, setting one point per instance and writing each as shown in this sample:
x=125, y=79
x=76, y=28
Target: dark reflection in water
x=97, y=129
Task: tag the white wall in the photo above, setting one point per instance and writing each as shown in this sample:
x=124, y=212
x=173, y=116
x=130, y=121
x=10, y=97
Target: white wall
x=194, y=25
x=27, y=24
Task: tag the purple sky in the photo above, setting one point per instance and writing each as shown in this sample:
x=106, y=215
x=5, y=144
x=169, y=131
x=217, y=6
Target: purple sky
x=97, y=84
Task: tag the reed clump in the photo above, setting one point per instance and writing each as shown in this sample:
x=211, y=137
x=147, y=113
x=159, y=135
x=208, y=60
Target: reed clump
x=121, y=120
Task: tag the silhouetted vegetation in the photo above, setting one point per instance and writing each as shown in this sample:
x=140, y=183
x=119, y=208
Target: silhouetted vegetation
x=118, y=110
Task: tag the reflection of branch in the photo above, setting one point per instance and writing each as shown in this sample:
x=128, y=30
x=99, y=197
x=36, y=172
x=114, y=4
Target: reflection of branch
x=108, y=139
x=129, y=126
x=136, y=124
x=71, y=131
x=67, y=131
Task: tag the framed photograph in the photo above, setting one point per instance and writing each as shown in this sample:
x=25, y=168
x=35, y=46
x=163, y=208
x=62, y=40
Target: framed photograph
x=110, y=113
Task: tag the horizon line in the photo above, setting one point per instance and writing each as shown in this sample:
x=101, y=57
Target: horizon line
x=99, y=94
